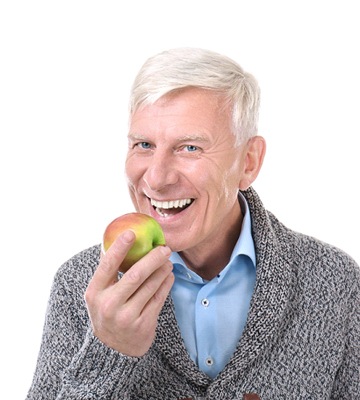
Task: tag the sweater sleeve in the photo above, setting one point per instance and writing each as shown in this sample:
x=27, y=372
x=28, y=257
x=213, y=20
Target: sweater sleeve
x=72, y=363
x=347, y=383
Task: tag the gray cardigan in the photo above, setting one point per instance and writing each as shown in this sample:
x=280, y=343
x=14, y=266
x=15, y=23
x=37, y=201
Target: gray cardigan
x=301, y=340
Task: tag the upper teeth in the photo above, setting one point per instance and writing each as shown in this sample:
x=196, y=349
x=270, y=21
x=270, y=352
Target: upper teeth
x=170, y=204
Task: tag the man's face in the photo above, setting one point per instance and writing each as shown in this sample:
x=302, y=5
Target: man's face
x=184, y=170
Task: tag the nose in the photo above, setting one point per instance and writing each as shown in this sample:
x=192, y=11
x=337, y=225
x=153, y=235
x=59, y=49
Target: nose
x=161, y=172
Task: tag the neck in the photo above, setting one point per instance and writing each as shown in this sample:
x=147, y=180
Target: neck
x=208, y=261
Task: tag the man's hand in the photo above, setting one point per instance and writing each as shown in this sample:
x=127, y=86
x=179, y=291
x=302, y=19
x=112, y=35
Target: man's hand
x=124, y=312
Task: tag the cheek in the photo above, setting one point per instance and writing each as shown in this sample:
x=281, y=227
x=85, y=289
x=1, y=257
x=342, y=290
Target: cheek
x=226, y=188
x=131, y=172
x=131, y=183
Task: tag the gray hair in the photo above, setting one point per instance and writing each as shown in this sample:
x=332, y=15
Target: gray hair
x=182, y=68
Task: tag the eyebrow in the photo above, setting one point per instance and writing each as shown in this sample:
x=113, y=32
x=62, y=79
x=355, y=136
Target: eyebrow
x=185, y=138
x=136, y=136
x=192, y=138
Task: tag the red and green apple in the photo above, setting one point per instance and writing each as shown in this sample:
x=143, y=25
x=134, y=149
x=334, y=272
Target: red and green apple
x=148, y=232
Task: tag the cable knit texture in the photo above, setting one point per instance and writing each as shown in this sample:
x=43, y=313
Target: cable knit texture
x=301, y=340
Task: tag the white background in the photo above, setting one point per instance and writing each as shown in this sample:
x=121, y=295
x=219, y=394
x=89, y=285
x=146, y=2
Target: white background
x=66, y=69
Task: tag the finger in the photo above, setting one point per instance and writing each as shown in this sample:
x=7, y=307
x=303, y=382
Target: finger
x=151, y=285
x=140, y=272
x=156, y=302
x=143, y=308
x=106, y=273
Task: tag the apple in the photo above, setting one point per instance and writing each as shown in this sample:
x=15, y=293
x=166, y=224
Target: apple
x=148, y=232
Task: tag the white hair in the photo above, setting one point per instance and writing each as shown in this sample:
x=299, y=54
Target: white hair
x=182, y=68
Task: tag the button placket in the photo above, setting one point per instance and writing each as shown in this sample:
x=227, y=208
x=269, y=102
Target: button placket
x=205, y=307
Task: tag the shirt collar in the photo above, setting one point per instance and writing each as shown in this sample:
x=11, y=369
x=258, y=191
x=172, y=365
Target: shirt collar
x=244, y=246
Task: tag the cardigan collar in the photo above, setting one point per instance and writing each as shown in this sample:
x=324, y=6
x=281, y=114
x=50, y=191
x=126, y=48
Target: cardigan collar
x=267, y=308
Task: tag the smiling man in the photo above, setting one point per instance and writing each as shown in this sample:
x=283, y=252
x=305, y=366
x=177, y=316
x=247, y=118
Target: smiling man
x=182, y=150
x=236, y=305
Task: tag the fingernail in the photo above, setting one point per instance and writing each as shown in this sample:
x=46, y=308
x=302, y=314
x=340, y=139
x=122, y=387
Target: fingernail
x=165, y=250
x=128, y=236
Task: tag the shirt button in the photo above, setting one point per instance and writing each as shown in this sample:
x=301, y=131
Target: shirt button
x=209, y=361
x=205, y=302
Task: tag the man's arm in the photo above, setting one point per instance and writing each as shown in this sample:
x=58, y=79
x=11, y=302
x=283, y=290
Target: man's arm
x=347, y=384
x=73, y=362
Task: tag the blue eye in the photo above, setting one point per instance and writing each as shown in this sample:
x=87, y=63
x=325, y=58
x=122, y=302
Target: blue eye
x=191, y=148
x=144, y=145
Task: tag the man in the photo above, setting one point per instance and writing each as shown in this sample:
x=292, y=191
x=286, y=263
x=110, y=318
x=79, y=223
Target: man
x=236, y=305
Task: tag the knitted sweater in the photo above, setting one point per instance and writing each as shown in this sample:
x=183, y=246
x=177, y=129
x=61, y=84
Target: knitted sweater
x=301, y=340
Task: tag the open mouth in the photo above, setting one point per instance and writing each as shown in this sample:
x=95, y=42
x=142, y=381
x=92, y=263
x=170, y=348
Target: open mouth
x=172, y=207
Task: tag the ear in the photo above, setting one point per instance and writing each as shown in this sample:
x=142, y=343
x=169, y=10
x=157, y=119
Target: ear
x=253, y=157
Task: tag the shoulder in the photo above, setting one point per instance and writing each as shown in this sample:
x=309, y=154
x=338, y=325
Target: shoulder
x=66, y=304
x=317, y=261
x=304, y=254
x=317, y=252
x=87, y=259
x=75, y=274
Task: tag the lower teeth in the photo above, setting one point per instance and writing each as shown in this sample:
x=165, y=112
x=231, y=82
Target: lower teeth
x=160, y=212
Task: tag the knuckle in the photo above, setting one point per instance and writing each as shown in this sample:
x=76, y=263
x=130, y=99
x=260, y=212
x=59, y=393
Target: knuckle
x=88, y=295
x=168, y=266
x=150, y=286
x=125, y=318
x=161, y=294
x=105, y=265
x=171, y=279
x=133, y=275
x=107, y=308
x=158, y=297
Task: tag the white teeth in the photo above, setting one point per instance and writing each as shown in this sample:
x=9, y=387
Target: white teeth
x=159, y=211
x=170, y=204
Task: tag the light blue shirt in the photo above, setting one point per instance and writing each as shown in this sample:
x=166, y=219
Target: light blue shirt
x=212, y=314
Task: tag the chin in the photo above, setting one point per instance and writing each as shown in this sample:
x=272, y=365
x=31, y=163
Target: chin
x=175, y=244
